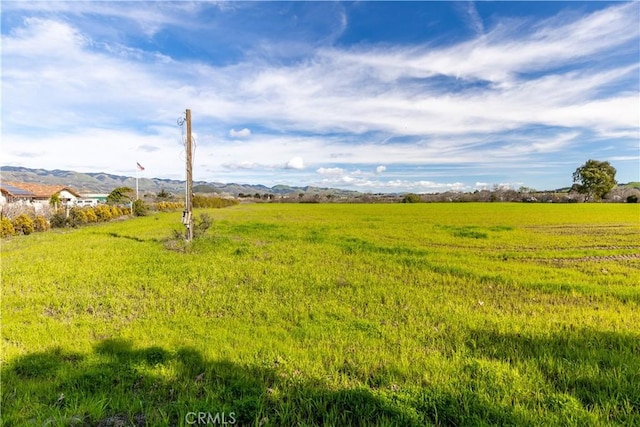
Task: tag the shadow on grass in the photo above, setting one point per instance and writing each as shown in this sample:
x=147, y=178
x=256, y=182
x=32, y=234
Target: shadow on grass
x=593, y=378
x=118, y=385
x=134, y=238
x=599, y=369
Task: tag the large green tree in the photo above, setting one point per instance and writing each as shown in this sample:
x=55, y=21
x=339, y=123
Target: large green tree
x=120, y=195
x=595, y=179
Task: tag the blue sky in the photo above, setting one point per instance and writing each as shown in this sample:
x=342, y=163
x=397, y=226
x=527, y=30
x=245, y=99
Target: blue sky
x=371, y=96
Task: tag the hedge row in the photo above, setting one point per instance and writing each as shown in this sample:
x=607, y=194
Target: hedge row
x=23, y=224
x=80, y=216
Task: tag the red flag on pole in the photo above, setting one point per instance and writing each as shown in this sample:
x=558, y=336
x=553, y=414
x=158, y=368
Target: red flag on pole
x=140, y=168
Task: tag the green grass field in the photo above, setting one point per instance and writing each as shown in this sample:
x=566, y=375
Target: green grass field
x=329, y=315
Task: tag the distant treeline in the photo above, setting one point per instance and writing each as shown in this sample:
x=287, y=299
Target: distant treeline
x=621, y=194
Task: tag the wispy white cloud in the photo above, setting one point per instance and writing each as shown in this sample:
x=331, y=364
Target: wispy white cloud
x=472, y=17
x=507, y=49
x=147, y=17
x=329, y=94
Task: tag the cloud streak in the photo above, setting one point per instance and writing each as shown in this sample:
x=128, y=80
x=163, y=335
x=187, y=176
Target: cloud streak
x=472, y=17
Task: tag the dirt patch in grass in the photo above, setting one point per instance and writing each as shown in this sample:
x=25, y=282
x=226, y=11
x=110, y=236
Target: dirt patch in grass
x=121, y=420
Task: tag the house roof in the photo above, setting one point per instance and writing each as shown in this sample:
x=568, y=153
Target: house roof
x=14, y=191
x=35, y=190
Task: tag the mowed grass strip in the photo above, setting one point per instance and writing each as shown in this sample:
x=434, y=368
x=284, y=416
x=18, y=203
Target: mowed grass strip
x=426, y=314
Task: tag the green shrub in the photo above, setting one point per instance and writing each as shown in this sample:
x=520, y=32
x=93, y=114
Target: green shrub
x=7, y=229
x=139, y=208
x=40, y=223
x=59, y=220
x=412, y=198
x=201, y=225
x=163, y=194
x=632, y=199
x=22, y=224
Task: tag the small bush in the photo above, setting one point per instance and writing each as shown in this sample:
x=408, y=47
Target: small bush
x=201, y=225
x=23, y=225
x=177, y=242
x=163, y=194
x=6, y=228
x=40, y=223
x=139, y=208
x=632, y=199
x=59, y=220
x=115, y=212
x=412, y=198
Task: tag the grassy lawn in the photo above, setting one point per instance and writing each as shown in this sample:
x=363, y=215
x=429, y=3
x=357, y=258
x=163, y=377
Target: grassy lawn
x=329, y=314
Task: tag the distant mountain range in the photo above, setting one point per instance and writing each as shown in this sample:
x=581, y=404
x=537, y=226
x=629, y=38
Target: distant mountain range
x=102, y=182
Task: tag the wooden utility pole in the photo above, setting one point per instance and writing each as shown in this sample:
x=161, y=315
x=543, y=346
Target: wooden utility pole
x=189, y=185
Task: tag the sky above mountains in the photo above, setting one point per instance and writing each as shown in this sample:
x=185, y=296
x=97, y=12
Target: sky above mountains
x=371, y=96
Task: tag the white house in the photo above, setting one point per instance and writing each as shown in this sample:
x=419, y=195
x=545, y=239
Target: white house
x=35, y=193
